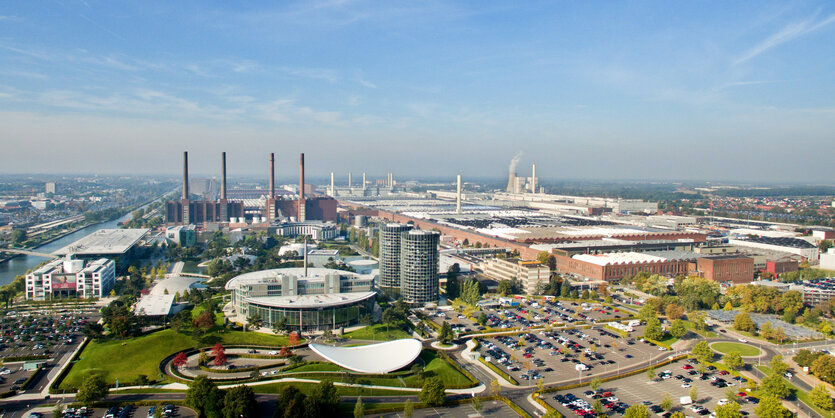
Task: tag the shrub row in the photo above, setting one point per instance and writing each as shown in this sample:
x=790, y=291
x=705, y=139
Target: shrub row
x=54, y=387
x=501, y=373
x=26, y=358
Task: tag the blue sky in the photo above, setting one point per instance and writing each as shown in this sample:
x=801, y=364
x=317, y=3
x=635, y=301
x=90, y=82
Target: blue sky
x=610, y=90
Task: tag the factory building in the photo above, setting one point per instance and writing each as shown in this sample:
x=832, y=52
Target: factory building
x=784, y=245
x=71, y=278
x=198, y=212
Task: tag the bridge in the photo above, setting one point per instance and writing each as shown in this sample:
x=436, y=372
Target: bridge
x=28, y=252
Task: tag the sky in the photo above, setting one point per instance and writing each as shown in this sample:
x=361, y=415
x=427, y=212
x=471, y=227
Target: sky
x=701, y=90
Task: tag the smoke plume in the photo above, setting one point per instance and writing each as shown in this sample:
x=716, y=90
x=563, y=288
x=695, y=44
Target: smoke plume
x=514, y=162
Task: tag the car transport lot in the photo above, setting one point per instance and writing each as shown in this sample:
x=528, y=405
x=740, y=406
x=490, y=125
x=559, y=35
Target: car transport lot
x=621, y=393
x=45, y=332
x=566, y=354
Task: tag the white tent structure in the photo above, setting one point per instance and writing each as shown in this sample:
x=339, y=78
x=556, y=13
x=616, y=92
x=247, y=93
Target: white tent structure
x=373, y=358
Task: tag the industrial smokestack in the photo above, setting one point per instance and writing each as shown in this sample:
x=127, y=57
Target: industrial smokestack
x=363, y=180
x=349, y=180
x=302, y=206
x=272, y=175
x=333, y=190
x=533, y=179
x=223, y=176
x=458, y=196
x=185, y=174
x=511, y=170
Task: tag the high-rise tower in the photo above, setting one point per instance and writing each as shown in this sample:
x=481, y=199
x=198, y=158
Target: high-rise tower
x=390, y=235
x=419, y=266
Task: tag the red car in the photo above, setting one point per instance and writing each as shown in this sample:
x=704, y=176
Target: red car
x=528, y=355
x=741, y=394
x=607, y=394
x=687, y=367
x=723, y=372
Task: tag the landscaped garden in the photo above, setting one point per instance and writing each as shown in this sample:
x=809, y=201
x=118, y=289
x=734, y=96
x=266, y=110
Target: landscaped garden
x=744, y=350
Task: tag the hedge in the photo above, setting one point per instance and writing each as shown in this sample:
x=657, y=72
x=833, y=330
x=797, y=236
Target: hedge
x=548, y=408
x=31, y=378
x=501, y=373
x=25, y=358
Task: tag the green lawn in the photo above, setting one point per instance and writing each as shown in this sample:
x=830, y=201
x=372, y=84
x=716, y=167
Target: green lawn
x=439, y=367
x=127, y=359
x=744, y=350
x=377, y=332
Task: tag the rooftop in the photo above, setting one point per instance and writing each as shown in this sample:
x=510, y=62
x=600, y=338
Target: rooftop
x=615, y=258
x=260, y=276
x=373, y=358
x=105, y=241
x=154, y=305
x=311, y=301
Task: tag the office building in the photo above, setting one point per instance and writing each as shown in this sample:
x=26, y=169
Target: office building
x=71, y=278
x=530, y=273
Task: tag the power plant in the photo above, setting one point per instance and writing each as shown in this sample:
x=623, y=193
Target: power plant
x=272, y=208
x=516, y=184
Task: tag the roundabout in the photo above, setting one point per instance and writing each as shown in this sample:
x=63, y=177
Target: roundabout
x=744, y=350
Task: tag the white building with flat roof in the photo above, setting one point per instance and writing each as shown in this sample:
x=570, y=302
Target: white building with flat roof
x=71, y=278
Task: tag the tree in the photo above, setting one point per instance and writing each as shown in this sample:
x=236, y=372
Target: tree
x=93, y=330
x=595, y=384
x=678, y=414
x=703, y=352
x=774, y=385
x=204, y=321
x=653, y=330
x=651, y=373
x=240, y=402
x=359, y=411
x=743, y=322
x=636, y=411
x=290, y=403
x=674, y=311
x=445, y=335
x=203, y=358
x=180, y=359
x=18, y=236
x=597, y=406
x=204, y=397
x=728, y=306
x=293, y=339
x=733, y=360
x=323, y=401
x=771, y=407
x=778, y=366
x=220, y=355
x=254, y=321
x=504, y=287
x=408, y=409
x=565, y=289
x=728, y=410
x=694, y=393
x=93, y=389
x=819, y=396
x=280, y=325
x=825, y=245
x=667, y=402
x=432, y=392
x=482, y=319
x=678, y=329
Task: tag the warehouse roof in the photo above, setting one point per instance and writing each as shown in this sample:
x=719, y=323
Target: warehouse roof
x=105, y=241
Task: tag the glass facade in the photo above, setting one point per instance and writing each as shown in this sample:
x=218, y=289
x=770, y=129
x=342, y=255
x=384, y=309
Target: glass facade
x=314, y=319
x=419, y=266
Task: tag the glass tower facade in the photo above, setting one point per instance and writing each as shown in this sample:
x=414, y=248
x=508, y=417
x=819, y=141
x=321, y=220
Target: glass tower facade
x=390, y=237
x=419, y=266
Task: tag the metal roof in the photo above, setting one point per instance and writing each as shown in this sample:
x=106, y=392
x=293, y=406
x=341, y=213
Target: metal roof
x=374, y=358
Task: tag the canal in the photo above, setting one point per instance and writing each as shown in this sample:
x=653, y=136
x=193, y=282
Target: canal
x=20, y=264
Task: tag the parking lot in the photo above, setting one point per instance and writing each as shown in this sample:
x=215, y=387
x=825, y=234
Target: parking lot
x=529, y=314
x=116, y=412
x=619, y=394
x=565, y=354
x=34, y=333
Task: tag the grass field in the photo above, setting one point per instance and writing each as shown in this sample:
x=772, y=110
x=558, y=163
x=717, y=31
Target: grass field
x=744, y=350
x=439, y=367
x=377, y=332
x=127, y=359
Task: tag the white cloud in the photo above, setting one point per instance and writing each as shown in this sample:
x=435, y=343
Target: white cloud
x=789, y=32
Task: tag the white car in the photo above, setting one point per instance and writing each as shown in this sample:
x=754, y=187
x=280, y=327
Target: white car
x=723, y=401
x=743, y=340
x=273, y=353
x=789, y=375
x=685, y=385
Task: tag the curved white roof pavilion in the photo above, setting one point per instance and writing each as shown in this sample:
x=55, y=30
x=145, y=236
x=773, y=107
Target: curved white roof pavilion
x=374, y=358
